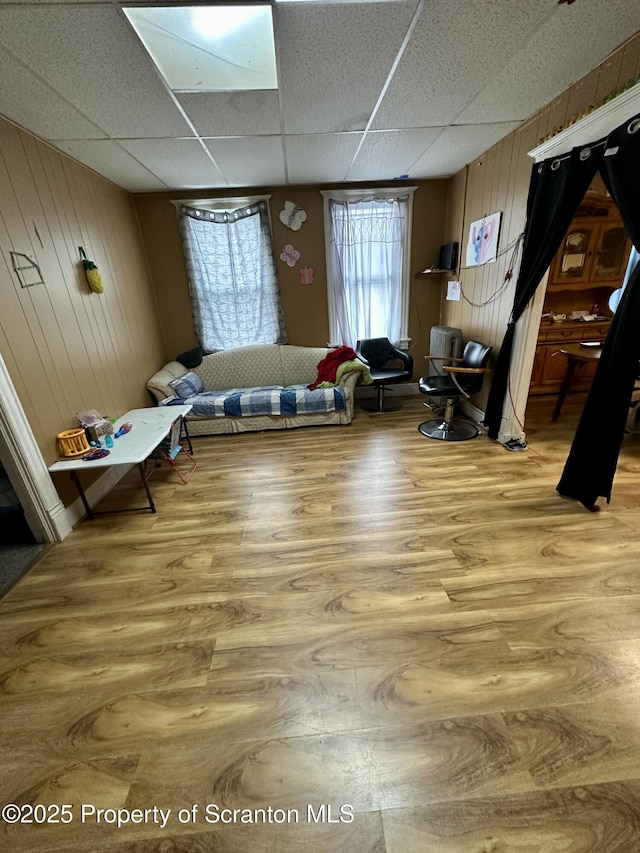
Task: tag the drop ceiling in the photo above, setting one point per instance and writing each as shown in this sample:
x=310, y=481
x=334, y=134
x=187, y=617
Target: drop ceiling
x=366, y=91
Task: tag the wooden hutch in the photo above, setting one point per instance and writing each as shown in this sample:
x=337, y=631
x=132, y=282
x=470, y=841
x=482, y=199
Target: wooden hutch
x=587, y=268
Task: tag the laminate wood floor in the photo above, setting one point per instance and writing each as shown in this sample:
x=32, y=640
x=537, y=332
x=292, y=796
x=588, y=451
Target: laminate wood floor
x=334, y=639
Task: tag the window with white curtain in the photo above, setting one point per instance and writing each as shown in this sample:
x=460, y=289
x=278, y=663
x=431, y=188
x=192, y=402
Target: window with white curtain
x=232, y=276
x=368, y=239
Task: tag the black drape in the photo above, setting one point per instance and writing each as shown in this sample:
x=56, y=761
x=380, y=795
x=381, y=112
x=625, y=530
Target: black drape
x=557, y=187
x=591, y=465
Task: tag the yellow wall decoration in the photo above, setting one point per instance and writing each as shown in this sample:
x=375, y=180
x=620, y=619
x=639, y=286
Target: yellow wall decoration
x=92, y=273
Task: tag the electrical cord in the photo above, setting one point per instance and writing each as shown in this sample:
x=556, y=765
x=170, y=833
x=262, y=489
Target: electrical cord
x=515, y=249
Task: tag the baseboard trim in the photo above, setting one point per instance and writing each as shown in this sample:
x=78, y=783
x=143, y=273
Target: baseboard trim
x=505, y=437
x=471, y=411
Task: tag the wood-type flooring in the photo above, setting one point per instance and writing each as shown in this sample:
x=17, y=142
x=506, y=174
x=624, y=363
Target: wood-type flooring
x=357, y=638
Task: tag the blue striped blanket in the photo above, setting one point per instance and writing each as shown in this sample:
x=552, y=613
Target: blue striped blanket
x=272, y=400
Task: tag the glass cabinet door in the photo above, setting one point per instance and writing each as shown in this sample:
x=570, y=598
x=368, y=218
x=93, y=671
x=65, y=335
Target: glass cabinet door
x=574, y=256
x=611, y=255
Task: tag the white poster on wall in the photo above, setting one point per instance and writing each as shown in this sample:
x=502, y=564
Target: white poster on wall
x=482, y=246
x=453, y=291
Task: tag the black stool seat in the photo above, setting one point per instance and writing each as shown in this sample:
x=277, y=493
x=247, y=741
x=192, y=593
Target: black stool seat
x=442, y=386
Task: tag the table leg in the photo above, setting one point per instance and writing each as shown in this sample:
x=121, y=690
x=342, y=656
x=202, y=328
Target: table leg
x=564, y=388
x=143, y=474
x=185, y=427
x=83, y=497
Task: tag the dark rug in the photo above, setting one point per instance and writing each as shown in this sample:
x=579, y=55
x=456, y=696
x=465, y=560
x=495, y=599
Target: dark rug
x=15, y=561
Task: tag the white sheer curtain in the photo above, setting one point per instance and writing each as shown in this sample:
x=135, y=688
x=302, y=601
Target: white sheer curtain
x=367, y=256
x=232, y=277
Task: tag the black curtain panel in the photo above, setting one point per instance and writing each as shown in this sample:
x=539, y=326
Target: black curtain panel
x=590, y=468
x=556, y=189
x=620, y=168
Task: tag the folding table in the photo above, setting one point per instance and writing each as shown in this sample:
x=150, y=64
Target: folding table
x=149, y=429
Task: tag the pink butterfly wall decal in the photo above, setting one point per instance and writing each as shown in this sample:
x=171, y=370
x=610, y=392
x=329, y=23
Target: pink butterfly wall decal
x=290, y=255
x=306, y=275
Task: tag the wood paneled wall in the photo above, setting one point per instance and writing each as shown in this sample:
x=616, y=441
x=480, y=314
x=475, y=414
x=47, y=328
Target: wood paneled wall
x=66, y=348
x=499, y=181
x=305, y=306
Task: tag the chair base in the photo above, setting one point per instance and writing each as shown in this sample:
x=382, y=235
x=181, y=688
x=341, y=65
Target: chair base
x=372, y=405
x=449, y=430
x=381, y=403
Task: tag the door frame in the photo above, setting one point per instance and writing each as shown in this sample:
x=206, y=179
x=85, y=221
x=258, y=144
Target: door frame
x=596, y=125
x=27, y=470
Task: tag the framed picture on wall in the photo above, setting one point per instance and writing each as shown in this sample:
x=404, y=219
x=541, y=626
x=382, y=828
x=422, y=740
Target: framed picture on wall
x=482, y=246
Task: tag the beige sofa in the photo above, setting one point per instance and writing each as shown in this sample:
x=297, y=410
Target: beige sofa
x=264, y=366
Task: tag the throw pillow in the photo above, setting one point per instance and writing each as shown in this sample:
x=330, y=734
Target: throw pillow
x=187, y=385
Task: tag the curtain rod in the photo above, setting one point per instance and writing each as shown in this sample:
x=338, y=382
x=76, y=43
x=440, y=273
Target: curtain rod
x=561, y=157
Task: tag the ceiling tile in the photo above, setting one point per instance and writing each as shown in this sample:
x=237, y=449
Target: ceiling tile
x=387, y=154
x=177, y=162
x=320, y=159
x=457, y=146
x=250, y=161
x=90, y=56
x=456, y=46
x=31, y=103
x=107, y=158
x=556, y=56
x=233, y=113
x=334, y=60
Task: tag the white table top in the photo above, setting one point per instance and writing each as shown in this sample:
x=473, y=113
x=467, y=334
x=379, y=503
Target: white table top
x=149, y=428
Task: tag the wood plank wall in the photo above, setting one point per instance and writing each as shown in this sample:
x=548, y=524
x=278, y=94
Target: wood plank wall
x=499, y=181
x=66, y=348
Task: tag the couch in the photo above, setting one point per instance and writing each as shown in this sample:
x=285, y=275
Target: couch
x=259, y=387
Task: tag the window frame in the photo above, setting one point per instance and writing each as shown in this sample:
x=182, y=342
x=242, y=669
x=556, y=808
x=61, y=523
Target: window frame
x=369, y=194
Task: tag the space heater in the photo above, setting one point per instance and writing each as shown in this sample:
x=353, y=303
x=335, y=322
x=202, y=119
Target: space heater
x=446, y=342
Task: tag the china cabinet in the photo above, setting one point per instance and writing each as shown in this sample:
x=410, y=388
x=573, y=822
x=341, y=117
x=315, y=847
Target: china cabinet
x=594, y=252
x=589, y=265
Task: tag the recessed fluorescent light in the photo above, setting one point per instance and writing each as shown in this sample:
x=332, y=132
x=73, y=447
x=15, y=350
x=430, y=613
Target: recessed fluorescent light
x=338, y=2
x=209, y=48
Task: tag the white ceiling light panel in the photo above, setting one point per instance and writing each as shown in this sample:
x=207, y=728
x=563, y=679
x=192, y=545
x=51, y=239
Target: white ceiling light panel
x=209, y=48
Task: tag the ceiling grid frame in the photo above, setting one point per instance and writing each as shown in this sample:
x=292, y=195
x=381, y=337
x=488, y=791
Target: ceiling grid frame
x=344, y=69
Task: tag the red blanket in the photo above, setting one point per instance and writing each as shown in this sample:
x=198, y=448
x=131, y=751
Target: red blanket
x=328, y=366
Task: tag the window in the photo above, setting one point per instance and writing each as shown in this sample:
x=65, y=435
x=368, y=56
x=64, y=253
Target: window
x=368, y=251
x=232, y=275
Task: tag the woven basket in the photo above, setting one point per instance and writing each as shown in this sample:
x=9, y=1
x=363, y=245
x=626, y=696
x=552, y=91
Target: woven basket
x=73, y=442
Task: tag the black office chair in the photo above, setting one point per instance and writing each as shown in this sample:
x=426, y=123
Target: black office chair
x=387, y=364
x=462, y=378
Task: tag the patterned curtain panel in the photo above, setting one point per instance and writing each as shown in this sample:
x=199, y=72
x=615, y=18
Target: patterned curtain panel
x=232, y=277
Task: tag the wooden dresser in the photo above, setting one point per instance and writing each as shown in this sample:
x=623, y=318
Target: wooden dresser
x=549, y=366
